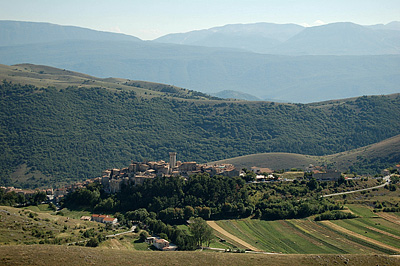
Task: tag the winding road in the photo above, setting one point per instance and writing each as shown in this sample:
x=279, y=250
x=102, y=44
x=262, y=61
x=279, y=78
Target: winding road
x=386, y=178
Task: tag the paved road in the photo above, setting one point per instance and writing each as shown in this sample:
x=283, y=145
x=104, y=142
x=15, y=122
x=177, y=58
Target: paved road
x=386, y=178
x=122, y=233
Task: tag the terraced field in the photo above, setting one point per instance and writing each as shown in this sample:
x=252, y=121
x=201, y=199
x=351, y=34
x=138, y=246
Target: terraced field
x=361, y=210
x=371, y=235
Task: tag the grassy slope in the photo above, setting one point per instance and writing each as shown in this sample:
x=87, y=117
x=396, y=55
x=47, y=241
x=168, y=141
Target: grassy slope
x=46, y=255
x=342, y=161
x=45, y=76
x=291, y=236
x=17, y=226
x=274, y=160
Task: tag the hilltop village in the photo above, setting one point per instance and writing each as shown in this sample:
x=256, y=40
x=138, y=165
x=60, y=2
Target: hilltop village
x=138, y=172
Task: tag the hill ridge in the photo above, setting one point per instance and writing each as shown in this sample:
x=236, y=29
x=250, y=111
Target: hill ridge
x=384, y=153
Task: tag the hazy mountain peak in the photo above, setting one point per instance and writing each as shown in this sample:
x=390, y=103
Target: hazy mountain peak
x=22, y=32
x=257, y=37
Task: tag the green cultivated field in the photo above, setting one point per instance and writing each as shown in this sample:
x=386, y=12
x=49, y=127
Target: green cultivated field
x=363, y=227
x=302, y=236
x=361, y=211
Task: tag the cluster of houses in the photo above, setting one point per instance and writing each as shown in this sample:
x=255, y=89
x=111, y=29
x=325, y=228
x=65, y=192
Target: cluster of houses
x=137, y=172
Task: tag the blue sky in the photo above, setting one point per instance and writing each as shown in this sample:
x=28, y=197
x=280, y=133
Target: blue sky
x=148, y=19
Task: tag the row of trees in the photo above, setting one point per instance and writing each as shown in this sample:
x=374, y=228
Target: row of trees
x=13, y=199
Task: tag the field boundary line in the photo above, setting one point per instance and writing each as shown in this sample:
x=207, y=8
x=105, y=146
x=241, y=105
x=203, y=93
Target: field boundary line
x=367, y=239
x=222, y=231
x=388, y=217
x=382, y=232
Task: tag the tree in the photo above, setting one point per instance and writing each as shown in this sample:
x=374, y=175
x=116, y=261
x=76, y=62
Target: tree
x=93, y=242
x=201, y=232
x=38, y=197
x=312, y=184
x=143, y=236
x=188, y=212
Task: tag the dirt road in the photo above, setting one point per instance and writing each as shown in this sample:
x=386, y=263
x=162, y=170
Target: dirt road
x=219, y=229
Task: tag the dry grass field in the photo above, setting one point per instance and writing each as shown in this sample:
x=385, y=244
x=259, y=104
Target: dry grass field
x=62, y=255
x=340, y=161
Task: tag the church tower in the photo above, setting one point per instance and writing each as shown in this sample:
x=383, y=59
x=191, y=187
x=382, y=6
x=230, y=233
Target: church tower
x=172, y=160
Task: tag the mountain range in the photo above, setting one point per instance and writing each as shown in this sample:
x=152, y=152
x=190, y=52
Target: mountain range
x=342, y=38
x=236, y=70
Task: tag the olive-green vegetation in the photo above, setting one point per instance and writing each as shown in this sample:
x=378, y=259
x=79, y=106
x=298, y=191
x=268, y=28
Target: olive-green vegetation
x=73, y=132
x=12, y=198
x=23, y=226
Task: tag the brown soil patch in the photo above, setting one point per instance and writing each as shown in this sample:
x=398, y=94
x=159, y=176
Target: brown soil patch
x=346, y=231
x=223, y=232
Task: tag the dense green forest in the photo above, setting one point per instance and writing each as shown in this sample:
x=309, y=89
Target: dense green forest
x=75, y=133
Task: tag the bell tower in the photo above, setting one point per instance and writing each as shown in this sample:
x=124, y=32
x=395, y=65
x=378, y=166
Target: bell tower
x=172, y=160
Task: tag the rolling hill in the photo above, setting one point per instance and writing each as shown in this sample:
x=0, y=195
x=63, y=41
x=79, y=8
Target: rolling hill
x=368, y=159
x=71, y=126
x=209, y=70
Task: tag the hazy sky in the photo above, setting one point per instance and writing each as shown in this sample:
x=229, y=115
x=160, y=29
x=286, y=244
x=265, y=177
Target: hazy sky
x=148, y=19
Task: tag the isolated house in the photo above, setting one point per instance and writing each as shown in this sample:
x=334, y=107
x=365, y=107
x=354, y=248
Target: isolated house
x=161, y=244
x=105, y=219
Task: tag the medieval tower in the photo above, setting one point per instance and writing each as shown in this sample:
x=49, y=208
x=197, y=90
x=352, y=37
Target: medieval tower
x=172, y=160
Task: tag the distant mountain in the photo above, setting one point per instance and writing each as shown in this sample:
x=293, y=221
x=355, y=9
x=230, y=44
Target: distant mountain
x=394, y=25
x=257, y=37
x=227, y=94
x=209, y=70
x=342, y=38
x=21, y=33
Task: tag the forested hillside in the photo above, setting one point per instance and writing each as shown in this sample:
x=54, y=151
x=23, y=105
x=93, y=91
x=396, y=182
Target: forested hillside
x=75, y=133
